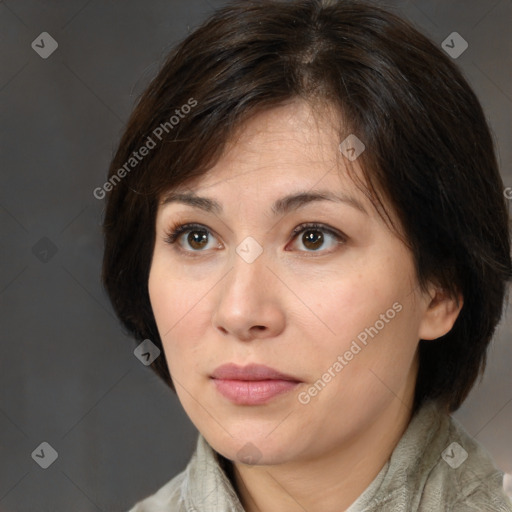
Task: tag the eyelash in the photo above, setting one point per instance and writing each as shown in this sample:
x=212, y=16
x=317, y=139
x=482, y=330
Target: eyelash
x=177, y=230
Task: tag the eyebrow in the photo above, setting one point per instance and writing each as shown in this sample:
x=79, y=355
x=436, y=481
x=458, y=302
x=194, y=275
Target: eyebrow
x=281, y=207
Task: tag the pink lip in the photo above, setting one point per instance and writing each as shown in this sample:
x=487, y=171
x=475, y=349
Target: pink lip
x=252, y=384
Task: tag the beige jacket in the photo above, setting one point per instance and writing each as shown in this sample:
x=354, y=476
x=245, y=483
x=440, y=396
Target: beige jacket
x=436, y=466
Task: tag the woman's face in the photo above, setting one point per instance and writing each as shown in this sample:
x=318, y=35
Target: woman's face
x=335, y=306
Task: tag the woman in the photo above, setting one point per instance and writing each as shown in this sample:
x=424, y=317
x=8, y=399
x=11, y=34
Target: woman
x=306, y=216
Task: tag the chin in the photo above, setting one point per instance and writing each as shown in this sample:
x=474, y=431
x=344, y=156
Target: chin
x=252, y=446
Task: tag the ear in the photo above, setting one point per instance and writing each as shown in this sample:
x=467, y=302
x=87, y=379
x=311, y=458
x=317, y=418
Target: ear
x=441, y=313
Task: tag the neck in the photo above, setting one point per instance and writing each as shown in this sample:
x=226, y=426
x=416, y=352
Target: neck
x=330, y=482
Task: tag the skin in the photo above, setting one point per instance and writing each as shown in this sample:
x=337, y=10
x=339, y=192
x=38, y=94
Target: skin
x=295, y=308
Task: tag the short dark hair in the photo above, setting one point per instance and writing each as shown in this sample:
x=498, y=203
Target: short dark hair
x=429, y=153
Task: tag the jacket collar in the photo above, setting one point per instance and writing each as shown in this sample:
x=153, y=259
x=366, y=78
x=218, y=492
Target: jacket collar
x=416, y=475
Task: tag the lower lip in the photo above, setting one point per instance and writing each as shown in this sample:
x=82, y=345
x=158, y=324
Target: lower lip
x=253, y=392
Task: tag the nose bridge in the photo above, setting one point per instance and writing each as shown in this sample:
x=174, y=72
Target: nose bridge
x=249, y=271
x=248, y=298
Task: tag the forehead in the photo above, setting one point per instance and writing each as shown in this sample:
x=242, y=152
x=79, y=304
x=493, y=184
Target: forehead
x=294, y=133
x=286, y=145
x=280, y=160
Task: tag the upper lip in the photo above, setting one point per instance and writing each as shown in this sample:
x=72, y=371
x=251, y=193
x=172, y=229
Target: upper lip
x=232, y=371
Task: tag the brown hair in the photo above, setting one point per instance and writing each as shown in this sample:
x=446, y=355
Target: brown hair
x=429, y=151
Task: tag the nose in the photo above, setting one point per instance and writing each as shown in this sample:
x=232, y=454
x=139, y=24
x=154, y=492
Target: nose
x=249, y=302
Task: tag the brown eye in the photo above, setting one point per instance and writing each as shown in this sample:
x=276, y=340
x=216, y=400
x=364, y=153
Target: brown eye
x=317, y=238
x=312, y=239
x=192, y=238
x=198, y=239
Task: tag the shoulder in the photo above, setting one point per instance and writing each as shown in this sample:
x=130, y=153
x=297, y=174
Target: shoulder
x=202, y=485
x=462, y=476
x=167, y=498
x=436, y=466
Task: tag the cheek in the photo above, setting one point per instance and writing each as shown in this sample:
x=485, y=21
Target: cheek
x=372, y=306
x=179, y=314
x=162, y=298
x=168, y=309
x=347, y=305
x=379, y=354
x=173, y=298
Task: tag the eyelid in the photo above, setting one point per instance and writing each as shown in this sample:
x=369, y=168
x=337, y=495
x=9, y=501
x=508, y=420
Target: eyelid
x=320, y=227
x=174, y=233
x=178, y=229
x=340, y=237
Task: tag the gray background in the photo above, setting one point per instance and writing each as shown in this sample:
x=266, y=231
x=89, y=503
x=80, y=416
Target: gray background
x=68, y=375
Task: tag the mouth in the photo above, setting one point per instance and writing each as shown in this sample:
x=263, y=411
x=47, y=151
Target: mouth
x=253, y=384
